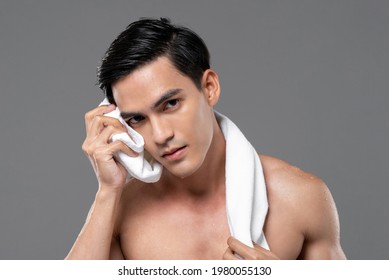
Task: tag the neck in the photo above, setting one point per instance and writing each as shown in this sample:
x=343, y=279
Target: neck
x=209, y=178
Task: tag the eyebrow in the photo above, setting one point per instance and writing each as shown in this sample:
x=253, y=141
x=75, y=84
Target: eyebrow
x=167, y=95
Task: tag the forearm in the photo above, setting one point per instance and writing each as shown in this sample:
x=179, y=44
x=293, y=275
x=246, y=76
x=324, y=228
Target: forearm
x=94, y=240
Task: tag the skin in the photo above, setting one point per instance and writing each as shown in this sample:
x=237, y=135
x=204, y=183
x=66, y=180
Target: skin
x=183, y=215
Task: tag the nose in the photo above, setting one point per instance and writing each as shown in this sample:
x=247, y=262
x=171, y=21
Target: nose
x=162, y=131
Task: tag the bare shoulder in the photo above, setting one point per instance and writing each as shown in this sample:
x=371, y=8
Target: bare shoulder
x=307, y=200
x=295, y=188
x=282, y=176
x=302, y=193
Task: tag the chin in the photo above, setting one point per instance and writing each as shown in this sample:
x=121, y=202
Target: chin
x=184, y=170
x=182, y=174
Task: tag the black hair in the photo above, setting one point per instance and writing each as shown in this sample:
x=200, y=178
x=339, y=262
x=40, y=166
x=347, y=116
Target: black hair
x=144, y=41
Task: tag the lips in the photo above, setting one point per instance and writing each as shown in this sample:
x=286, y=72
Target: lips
x=174, y=154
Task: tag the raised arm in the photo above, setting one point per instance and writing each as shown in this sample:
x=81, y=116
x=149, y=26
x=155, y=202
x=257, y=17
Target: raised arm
x=96, y=239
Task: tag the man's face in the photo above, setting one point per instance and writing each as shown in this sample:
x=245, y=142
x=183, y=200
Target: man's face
x=167, y=109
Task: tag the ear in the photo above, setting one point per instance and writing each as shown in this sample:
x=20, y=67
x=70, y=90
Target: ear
x=211, y=87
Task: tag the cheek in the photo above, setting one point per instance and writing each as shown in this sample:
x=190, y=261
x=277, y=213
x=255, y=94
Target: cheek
x=202, y=127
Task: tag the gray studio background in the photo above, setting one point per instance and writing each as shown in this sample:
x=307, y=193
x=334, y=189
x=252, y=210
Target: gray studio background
x=306, y=81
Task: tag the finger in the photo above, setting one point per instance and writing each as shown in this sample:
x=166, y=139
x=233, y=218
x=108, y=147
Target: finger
x=108, y=132
x=100, y=122
x=106, y=152
x=229, y=255
x=94, y=140
x=98, y=111
x=257, y=247
x=90, y=145
x=241, y=249
x=268, y=255
x=235, y=244
x=120, y=146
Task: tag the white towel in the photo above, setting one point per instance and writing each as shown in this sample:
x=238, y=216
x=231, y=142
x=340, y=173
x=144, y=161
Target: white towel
x=246, y=198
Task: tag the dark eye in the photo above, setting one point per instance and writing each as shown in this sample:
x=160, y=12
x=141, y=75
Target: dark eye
x=135, y=120
x=171, y=103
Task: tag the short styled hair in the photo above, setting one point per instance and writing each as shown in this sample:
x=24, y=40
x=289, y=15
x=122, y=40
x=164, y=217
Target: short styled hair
x=147, y=39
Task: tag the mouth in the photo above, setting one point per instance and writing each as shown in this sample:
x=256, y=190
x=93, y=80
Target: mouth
x=174, y=154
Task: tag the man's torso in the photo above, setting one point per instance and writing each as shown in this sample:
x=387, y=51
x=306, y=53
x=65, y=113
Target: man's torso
x=155, y=225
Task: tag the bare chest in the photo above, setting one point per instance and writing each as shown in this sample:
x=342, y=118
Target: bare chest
x=174, y=233
x=151, y=229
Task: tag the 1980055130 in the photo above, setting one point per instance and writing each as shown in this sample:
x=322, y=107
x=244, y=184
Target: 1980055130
x=241, y=270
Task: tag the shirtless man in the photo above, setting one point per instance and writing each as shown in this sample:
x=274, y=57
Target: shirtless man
x=158, y=75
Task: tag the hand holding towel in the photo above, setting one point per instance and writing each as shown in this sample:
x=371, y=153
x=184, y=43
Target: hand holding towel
x=137, y=167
